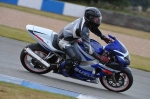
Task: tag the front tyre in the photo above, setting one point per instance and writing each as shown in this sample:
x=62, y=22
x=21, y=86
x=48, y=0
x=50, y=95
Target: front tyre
x=30, y=63
x=124, y=81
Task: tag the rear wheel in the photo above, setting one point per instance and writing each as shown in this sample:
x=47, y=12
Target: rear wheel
x=32, y=64
x=124, y=81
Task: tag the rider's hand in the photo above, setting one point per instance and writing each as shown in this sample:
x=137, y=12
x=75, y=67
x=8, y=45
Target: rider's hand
x=79, y=40
x=107, y=40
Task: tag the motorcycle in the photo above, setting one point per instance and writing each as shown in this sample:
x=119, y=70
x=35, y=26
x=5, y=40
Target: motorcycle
x=45, y=56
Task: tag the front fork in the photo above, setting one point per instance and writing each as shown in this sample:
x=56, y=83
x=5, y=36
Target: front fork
x=114, y=78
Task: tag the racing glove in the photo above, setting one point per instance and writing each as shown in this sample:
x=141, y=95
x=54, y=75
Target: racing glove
x=107, y=40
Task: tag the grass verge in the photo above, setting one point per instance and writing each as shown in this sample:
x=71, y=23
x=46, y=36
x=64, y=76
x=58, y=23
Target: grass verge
x=122, y=30
x=15, y=34
x=138, y=62
x=12, y=91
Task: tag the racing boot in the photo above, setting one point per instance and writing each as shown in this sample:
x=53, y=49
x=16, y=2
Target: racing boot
x=65, y=67
x=69, y=64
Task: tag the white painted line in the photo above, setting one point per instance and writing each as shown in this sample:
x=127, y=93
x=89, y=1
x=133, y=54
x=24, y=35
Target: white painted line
x=88, y=97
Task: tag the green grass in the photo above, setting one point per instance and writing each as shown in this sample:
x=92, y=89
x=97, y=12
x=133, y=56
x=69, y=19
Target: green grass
x=15, y=34
x=122, y=30
x=12, y=91
x=138, y=62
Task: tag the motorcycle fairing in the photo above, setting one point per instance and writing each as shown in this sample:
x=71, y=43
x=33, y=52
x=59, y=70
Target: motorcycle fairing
x=116, y=47
x=98, y=48
x=120, y=51
x=123, y=58
x=88, y=72
x=43, y=36
x=83, y=74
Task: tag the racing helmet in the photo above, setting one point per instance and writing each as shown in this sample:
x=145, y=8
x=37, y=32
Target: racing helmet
x=93, y=16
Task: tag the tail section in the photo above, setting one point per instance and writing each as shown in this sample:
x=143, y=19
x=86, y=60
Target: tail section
x=43, y=36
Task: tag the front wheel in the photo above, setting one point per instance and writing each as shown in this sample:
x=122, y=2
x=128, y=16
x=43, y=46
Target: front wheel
x=124, y=81
x=32, y=64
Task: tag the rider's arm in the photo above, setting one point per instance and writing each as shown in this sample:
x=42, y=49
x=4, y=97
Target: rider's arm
x=86, y=41
x=97, y=32
x=88, y=48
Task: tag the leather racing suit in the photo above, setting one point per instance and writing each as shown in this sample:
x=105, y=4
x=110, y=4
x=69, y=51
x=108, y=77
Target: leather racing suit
x=75, y=30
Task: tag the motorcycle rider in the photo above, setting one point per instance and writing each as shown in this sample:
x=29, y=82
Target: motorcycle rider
x=81, y=28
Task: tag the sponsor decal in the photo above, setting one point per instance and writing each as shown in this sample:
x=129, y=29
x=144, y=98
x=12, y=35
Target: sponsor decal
x=84, y=73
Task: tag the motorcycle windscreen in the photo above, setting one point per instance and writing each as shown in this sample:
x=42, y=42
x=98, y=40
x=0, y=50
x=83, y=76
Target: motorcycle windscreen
x=116, y=45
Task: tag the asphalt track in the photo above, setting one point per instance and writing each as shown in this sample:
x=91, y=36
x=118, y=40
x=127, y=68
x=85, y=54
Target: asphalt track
x=10, y=65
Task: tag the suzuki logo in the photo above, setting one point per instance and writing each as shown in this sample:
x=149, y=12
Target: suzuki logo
x=84, y=73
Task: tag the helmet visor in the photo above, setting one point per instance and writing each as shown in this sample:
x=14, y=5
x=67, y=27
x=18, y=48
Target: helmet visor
x=96, y=20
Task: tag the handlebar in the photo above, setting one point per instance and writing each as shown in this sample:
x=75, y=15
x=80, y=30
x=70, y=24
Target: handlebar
x=112, y=37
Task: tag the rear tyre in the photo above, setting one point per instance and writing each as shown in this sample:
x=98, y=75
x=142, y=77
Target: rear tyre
x=30, y=63
x=124, y=81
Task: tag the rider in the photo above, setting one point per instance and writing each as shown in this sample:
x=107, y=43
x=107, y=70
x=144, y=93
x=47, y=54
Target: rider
x=80, y=29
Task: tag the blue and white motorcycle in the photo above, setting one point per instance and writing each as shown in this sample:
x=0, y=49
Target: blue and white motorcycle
x=45, y=56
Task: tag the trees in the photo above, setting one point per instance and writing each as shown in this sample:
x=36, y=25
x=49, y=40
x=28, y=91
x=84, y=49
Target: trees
x=144, y=3
x=121, y=4
x=117, y=3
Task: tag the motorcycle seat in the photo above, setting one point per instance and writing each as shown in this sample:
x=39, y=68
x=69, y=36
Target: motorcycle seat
x=55, y=42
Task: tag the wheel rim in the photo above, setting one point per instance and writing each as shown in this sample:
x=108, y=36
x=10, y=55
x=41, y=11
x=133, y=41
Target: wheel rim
x=122, y=82
x=29, y=62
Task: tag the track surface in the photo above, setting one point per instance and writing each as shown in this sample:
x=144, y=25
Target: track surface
x=10, y=65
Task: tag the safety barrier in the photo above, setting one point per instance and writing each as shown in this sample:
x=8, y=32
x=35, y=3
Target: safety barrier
x=50, y=6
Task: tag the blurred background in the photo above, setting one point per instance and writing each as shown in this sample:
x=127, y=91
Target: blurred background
x=126, y=13
x=133, y=7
